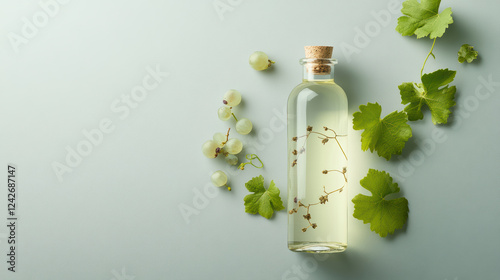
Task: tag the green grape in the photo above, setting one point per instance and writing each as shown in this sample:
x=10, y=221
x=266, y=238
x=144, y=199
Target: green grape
x=219, y=178
x=232, y=98
x=219, y=138
x=209, y=149
x=232, y=159
x=233, y=146
x=244, y=126
x=224, y=113
x=259, y=61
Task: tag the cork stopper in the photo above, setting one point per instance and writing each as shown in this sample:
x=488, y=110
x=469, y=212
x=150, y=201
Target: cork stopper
x=319, y=67
x=319, y=51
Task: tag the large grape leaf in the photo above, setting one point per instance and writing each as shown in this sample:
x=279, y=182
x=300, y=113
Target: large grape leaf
x=423, y=19
x=387, y=136
x=467, y=53
x=384, y=215
x=433, y=92
x=262, y=201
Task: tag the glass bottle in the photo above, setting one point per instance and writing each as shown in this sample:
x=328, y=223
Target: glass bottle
x=317, y=158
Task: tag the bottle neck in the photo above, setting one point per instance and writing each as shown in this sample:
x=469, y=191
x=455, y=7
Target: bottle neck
x=318, y=70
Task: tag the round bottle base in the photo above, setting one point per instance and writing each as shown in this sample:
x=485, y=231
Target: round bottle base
x=317, y=247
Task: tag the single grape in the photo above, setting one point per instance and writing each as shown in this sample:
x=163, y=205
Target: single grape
x=219, y=178
x=232, y=98
x=219, y=138
x=232, y=159
x=244, y=126
x=259, y=61
x=224, y=113
x=233, y=146
x=209, y=148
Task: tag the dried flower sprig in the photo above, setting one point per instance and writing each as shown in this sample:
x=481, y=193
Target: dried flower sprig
x=322, y=200
x=343, y=172
x=324, y=139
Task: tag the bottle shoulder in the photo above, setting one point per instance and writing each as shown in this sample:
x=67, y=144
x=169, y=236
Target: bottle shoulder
x=321, y=88
x=323, y=85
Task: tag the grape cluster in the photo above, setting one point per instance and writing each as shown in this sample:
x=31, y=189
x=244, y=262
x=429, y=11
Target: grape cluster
x=232, y=98
x=220, y=143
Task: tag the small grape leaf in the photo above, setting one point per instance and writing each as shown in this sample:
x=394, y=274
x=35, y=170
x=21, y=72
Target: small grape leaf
x=433, y=92
x=467, y=53
x=387, y=136
x=262, y=201
x=384, y=215
x=423, y=19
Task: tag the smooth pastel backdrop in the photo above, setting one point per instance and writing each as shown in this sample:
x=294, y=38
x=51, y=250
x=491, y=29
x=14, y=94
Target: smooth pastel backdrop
x=115, y=213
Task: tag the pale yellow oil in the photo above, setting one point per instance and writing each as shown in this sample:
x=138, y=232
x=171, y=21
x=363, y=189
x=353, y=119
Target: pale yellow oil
x=317, y=105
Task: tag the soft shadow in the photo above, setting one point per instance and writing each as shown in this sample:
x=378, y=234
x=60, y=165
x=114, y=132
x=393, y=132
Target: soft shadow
x=270, y=70
x=457, y=34
x=346, y=265
x=242, y=106
x=410, y=146
x=349, y=81
x=391, y=237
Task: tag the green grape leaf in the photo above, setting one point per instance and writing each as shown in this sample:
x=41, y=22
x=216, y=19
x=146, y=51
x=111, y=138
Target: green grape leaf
x=423, y=19
x=262, y=201
x=384, y=215
x=467, y=53
x=387, y=136
x=434, y=92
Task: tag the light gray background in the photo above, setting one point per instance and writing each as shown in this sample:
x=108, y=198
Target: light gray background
x=116, y=215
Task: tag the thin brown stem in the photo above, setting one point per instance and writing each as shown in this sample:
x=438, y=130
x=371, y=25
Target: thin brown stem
x=227, y=136
x=305, y=141
x=343, y=172
x=337, y=190
x=322, y=200
x=341, y=148
x=324, y=137
x=333, y=170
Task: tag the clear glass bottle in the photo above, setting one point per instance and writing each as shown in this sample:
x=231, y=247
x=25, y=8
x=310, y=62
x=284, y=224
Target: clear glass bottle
x=317, y=158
